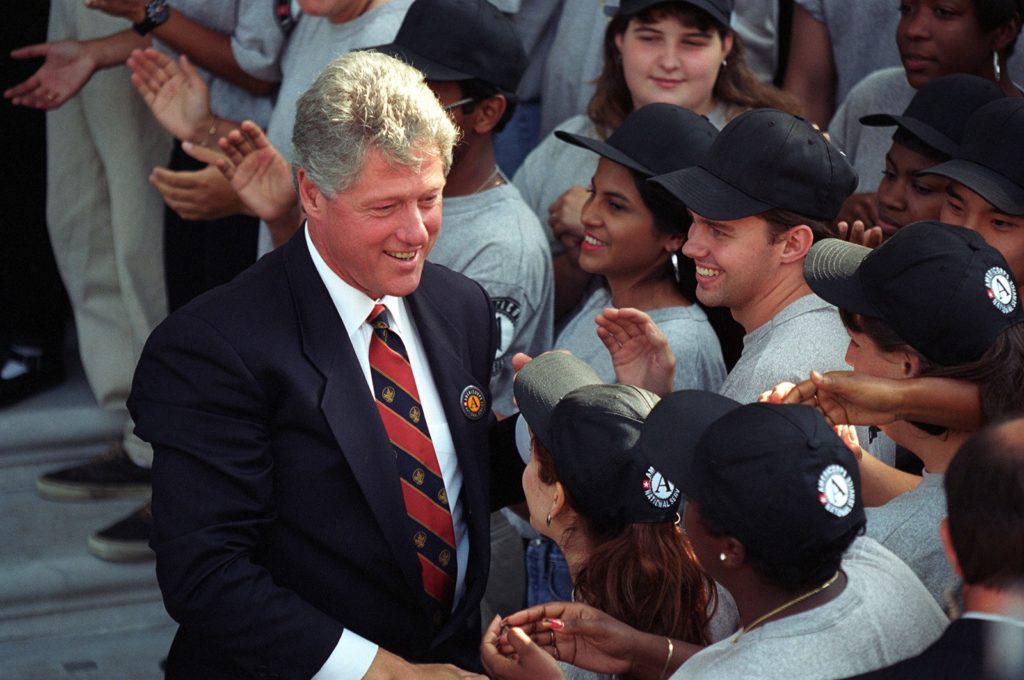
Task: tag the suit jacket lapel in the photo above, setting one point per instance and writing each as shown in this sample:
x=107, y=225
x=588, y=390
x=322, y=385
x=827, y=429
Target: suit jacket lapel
x=347, y=406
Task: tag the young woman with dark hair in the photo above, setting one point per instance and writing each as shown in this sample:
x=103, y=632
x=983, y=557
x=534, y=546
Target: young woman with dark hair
x=674, y=51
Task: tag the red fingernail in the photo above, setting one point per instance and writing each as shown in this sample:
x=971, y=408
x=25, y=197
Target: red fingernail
x=555, y=624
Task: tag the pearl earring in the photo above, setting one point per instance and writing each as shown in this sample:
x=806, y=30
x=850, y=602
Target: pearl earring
x=721, y=556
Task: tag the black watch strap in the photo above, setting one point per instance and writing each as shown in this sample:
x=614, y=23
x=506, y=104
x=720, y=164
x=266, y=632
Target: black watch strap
x=157, y=12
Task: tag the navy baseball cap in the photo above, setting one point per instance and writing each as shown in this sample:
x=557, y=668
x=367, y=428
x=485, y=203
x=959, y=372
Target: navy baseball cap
x=653, y=140
x=451, y=40
x=938, y=113
x=765, y=159
x=989, y=161
x=720, y=10
x=592, y=431
x=941, y=288
x=776, y=477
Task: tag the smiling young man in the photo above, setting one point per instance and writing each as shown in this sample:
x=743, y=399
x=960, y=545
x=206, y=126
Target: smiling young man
x=321, y=425
x=768, y=188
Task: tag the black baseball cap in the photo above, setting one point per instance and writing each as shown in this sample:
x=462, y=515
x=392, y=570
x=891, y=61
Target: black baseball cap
x=450, y=40
x=765, y=159
x=592, y=431
x=940, y=288
x=989, y=161
x=776, y=477
x=654, y=139
x=720, y=10
x=938, y=113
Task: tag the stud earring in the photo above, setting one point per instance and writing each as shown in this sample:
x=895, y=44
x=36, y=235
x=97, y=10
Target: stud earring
x=721, y=556
x=725, y=62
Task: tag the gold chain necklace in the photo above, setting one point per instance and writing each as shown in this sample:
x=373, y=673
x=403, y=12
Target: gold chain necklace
x=761, y=619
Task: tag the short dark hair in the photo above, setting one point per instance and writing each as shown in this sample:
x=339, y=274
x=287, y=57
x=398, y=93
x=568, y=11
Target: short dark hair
x=985, y=502
x=780, y=220
x=992, y=14
x=908, y=139
x=811, y=568
x=480, y=90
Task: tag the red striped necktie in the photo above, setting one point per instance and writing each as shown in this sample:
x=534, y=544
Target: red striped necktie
x=426, y=501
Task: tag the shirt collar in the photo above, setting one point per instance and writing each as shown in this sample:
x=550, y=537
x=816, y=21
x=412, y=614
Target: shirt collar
x=353, y=305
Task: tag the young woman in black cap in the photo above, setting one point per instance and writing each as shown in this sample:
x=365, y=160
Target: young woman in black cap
x=591, y=488
x=632, y=241
x=934, y=300
x=681, y=52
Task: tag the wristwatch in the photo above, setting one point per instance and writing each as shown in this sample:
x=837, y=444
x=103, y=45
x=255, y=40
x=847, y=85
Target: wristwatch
x=157, y=12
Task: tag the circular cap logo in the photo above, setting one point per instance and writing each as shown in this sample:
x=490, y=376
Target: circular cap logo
x=1000, y=290
x=835, y=490
x=659, y=492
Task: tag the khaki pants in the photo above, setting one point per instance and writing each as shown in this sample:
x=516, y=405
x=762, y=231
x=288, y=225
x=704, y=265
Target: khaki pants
x=104, y=217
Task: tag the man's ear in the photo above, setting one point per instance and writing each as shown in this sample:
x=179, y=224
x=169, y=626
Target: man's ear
x=310, y=196
x=947, y=546
x=487, y=114
x=911, y=364
x=796, y=242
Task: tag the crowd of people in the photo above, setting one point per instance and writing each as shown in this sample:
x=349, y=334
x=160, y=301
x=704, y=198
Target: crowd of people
x=540, y=338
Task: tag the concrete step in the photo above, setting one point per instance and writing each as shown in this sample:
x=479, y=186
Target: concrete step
x=63, y=612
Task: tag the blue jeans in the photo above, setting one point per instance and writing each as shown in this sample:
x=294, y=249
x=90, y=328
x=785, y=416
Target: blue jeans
x=547, y=574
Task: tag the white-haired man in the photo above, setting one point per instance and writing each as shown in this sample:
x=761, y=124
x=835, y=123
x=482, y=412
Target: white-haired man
x=321, y=424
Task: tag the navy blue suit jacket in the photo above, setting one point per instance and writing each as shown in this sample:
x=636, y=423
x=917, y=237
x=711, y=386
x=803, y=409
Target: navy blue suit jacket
x=278, y=516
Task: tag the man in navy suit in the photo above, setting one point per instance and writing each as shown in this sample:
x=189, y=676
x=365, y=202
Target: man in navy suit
x=280, y=520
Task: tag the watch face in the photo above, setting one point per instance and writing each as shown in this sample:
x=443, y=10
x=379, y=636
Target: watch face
x=157, y=11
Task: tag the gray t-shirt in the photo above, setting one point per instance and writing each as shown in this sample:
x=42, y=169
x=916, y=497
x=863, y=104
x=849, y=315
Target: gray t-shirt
x=256, y=43
x=884, y=615
x=573, y=62
x=908, y=525
x=885, y=91
x=851, y=26
x=807, y=334
x=494, y=239
x=699, y=364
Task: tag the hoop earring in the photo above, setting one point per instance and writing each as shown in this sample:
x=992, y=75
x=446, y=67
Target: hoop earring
x=725, y=62
x=674, y=258
x=995, y=65
x=548, y=519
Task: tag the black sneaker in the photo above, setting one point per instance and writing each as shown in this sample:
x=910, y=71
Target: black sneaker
x=110, y=475
x=126, y=540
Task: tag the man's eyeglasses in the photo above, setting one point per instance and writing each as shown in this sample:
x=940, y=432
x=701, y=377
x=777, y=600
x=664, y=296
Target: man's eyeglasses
x=459, y=102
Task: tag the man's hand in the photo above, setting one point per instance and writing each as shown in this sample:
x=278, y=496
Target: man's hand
x=197, y=194
x=132, y=10
x=639, y=350
x=175, y=93
x=526, y=661
x=258, y=172
x=859, y=234
x=68, y=66
x=860, y=207
x=565, y=218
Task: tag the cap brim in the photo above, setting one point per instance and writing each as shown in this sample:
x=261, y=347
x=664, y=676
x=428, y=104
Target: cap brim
x=430, y=69
x=1000, y=191
x=926, y=133
x=543, y=382
x=709, y=196
x=831, y=269
x=716, y=13
x=603, y=149
x=672, y=429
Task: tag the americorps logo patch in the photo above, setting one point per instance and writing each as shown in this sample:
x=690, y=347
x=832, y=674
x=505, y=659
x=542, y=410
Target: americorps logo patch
x=1000, y=289
x=835, y=490
x=660, y=492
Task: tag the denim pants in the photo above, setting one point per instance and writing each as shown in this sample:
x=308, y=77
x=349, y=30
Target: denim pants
x=547, y=574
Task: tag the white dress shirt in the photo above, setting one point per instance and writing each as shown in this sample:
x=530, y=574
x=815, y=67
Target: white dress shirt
x=353, y=655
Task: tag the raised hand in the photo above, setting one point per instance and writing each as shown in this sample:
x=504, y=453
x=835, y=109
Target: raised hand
x=68, y=66
x=258, y=172
x=860, y=234
x=132, y=10
x=639, y=350
x=174, y=91
x=565, y=218
x=197, y=194
x=861, y=207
